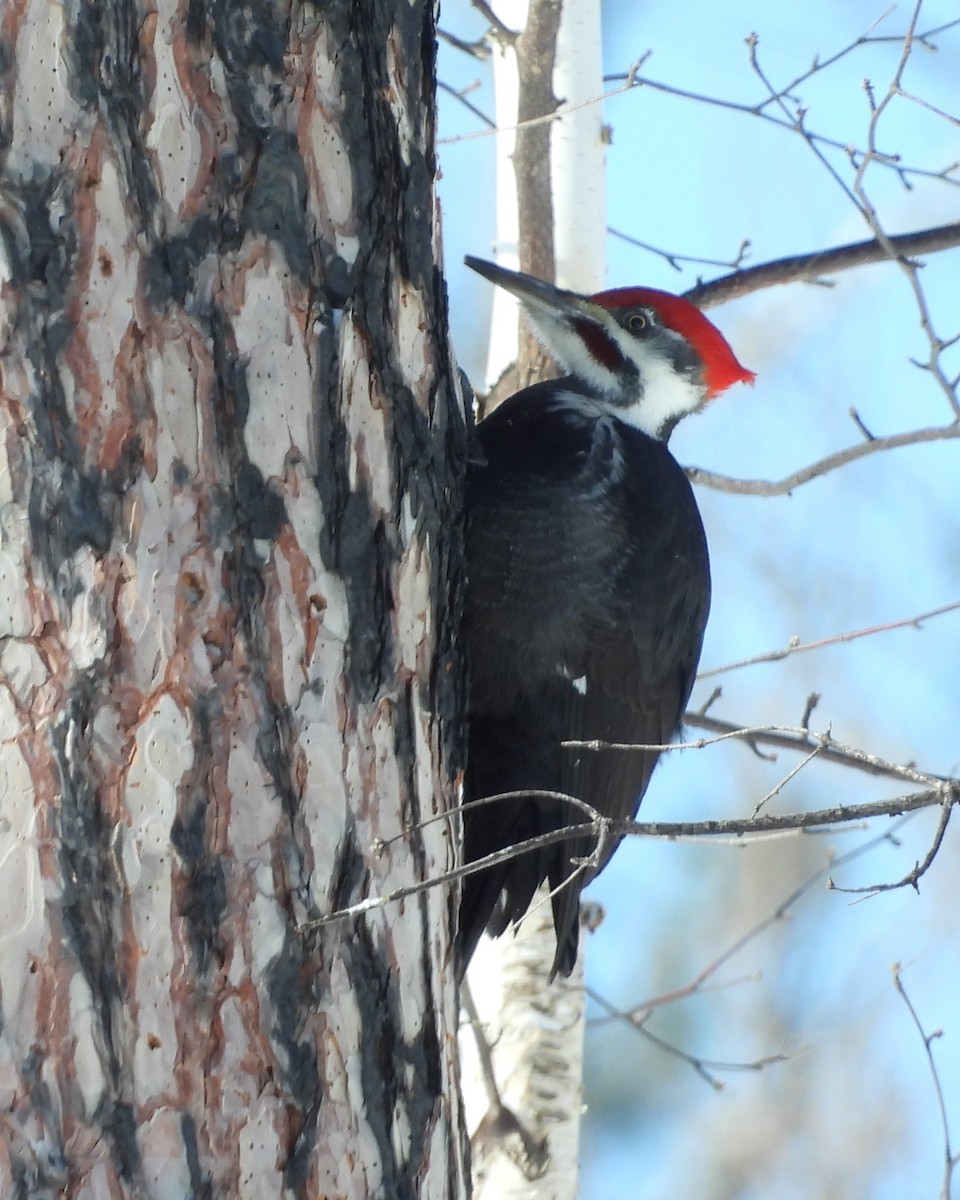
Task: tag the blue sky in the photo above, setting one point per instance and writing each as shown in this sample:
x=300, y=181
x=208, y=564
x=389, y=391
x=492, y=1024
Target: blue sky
x=875, y=542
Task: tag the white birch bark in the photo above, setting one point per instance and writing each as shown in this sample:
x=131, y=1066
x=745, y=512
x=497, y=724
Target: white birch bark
x=535, y=1030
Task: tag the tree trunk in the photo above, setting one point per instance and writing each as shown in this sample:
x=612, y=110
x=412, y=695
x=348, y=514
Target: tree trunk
x=523, y=1062
x=229, y=511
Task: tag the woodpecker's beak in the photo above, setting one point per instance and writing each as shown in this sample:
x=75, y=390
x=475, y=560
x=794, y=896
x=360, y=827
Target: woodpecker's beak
x=534, y=293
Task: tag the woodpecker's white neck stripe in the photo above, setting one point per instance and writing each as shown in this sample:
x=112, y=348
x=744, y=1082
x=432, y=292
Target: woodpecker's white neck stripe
x=667, y=396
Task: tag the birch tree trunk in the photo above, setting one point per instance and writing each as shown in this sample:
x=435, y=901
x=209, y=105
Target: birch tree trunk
x=523, y=1064
x=229, y=508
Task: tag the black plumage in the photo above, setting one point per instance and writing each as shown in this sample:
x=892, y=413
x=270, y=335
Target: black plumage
x=588, y=588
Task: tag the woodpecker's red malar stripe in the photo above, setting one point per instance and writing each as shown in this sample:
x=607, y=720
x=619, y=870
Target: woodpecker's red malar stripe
x=603, y=348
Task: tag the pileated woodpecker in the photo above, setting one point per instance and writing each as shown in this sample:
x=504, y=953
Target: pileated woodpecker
x=588, y=586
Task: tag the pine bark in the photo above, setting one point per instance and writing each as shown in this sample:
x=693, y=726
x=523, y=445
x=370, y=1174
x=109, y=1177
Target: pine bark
x=229, y=514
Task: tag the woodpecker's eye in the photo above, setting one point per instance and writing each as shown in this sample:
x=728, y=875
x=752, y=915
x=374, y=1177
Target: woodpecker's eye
x=639, y=321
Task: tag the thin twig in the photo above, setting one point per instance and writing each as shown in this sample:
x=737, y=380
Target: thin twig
x=913, y=877
x=866, y=206
x=503, y=33
x=704, y=1067
x=796, y=120
x=822, y=64
x=835, y=863
x=561, y=111
x=637, y=1017
x=797, y=647
x=796, y=822
x=832, y=462
x=467, y=104
x=675, y=260
x=950, y=1159
x=756, y=110
x=790, y=737
x=791, y=774
x=478, y=49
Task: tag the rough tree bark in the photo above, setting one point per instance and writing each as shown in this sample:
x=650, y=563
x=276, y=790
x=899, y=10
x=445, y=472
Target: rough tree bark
x=229, y=450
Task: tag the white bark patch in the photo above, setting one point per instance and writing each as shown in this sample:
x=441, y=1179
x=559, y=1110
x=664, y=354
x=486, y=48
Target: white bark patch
x=7, y=427
x=277, y=371
x=165, y=534
x=414, y=632
x=256, y=809
x=265, y=921
x=86, y=1031
x=350, y=1143
x=367, y=431
x=414, y=352
x=98, y=1181
x=291, y=633
x=22, y=670
x=165, y=1165
x=106, y=307
x=535, y=1032
x=324, y=799
x=177, y=372
x=247, y=1107
x=44, y=114
x=326, y=157
x=396, y=71
x=172, y=135
x=22, y=908
x=164, y=753
x=17, y=620
x=261, y=1149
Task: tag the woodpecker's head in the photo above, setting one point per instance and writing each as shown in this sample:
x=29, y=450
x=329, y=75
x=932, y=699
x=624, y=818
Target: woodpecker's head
x=649, y=356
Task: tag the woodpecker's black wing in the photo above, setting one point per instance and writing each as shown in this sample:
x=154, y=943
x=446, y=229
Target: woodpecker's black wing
x=587, y=595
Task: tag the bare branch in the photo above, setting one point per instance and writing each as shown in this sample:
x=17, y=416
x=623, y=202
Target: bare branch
x=823, y=64
x=676, y=259
x=946, y=793
x=756, y=110
x=545, y=119
x=797, y=647
x=796, y=120
x=778, y=788
x=950, y=1159
x=794, y=822
x=460, y=94
x=478, y=49
x=704, y=1067
x=811, y=268
x=912, y=878
x=637, y=1017
x=501, y=32
x=907, y=265
x=799, y=738
x=937, y=112
x=832, y=462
